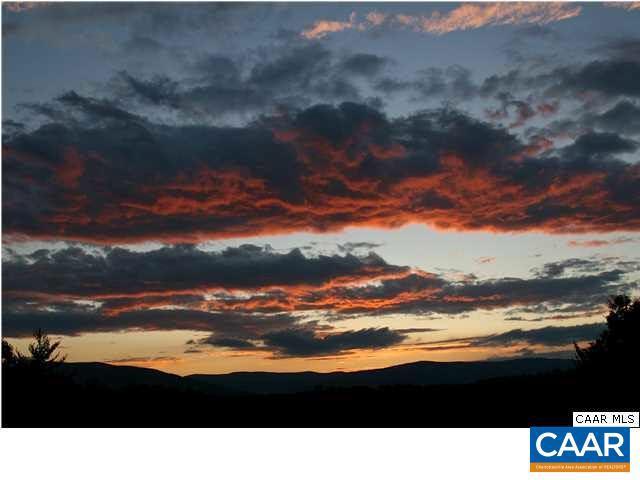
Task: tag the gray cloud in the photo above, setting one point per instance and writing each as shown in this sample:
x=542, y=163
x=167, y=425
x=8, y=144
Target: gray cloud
x=293, y=77
x=181, y=268
x=365, y=64
x=350, y=247
x=548, y=336
x=228, y=324
x=301, y=343
x=624, y=117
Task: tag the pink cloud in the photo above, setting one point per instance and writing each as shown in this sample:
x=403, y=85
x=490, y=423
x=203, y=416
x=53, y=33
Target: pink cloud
x=467, y=16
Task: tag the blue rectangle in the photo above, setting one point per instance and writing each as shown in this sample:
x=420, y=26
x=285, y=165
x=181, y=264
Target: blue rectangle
x=603, y=444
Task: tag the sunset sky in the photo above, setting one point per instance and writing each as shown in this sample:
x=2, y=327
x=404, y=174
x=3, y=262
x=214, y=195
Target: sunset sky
x=221, y=187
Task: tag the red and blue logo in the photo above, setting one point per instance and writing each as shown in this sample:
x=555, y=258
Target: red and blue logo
x=579, y=449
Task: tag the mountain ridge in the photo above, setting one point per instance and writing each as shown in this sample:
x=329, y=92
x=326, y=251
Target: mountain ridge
x=419, y=373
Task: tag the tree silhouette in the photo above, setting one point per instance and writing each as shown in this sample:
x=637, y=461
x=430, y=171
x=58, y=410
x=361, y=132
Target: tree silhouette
x=616, y=348
x=10, y=356
x=43, y=352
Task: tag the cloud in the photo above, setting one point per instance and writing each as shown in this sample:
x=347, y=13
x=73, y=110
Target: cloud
x=596, y=243
x=322, y=28
x=477, y=15
x=302, y=343
x=252, y=298
x=485, y=260
x=350, y=247
x=624, y=117
x=581, y=286
x=613, y=77
x=622, y=48
x=590, y=83
x=114, y=273
x=17, y=7
x=529, y=340
x=468, y=16
x=68, y=322
x=218, y=86
x=56, y=19
x=365, y=64
x=547, y=336
x=319, y=169
x=559, y=268
x=624, y=5
x=151, y=361
x=234, y=343
x=250, y=279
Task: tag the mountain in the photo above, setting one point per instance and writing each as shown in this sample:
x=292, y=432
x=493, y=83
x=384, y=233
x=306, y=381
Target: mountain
x=418, y=373
x=119, y=376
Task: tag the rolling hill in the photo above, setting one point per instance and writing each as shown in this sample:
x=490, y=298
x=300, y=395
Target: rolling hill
x=418, y=373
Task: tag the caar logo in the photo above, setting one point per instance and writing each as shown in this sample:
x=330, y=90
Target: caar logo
x=575, y=449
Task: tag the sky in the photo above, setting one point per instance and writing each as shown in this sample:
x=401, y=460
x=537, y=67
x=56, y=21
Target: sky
x=218, y=187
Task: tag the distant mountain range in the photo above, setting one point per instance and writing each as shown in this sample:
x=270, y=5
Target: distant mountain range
x=418, y=373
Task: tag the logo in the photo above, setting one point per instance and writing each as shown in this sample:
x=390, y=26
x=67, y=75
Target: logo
x=579, y=449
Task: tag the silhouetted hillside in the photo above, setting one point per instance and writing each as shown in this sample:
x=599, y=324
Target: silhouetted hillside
x=417, y=374
x=96, y=373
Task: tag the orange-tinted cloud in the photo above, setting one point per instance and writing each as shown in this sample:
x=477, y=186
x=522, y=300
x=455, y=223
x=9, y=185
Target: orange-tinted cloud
x=322, y=28
x=250, y=298
x=322, y=170
x=476, y=15
x=467, y=16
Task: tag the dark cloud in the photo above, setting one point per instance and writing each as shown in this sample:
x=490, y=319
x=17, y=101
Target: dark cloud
x=150, y=19
x=389, y=85
x=597, y=145
x=557, y=269
x=297, y=67
x=548, y=336
x=250, y=297
x=523, y=110
x=12, y=128
x=575, y=286
x=608, y=77
x=65, y=322
x=538, y=31
x=621, y=48
x=302, y=343
x=365, y=64
x=453, y=83
x=159, y=90
x=141, y=45
x=351, y=247
x=235, y=343
x=320, y=169
x=294, y=76
x=115, y=272
x=217, y=69
x=624, y=117
x=552, y=337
